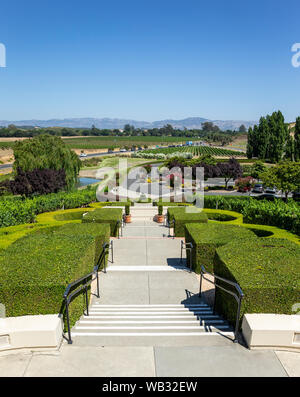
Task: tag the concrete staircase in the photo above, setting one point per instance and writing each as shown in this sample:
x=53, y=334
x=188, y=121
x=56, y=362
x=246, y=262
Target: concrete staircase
x=143, y=212
x=108, y=322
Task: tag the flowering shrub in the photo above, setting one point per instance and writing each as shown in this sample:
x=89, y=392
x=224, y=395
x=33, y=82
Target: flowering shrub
x=244, y=184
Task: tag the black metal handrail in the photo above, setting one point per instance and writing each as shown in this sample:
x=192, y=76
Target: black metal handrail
x=120, y=226
x=82, y=284
x=187, y=247
x=238, y=297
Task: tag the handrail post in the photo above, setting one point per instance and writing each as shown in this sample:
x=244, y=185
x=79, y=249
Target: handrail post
x=68, y=322
x=237, y=321
x=112, y=251
x=98, y=289
x=200, y=287
x=104, y=256
x=86, y=298
x=181, y=251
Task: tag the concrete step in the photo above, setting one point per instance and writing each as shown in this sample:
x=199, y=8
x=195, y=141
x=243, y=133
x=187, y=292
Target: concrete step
x=146, y=268
x=146, y=324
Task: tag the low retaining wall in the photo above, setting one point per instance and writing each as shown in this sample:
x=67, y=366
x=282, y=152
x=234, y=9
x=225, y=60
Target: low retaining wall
x=24, y=332
x=272, y=331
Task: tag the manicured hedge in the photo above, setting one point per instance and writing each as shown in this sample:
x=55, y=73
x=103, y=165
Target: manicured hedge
x=206, y=238
x=170, y=204
x=15, y=211
x=118, y=203
x=273, y=213
x=181, y=216
x=105, y=215
x=268, y=271
x=219, y=216
x=259, y=230
x=35, y=270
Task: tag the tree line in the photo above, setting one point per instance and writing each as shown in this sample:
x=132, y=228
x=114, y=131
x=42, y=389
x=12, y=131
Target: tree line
x=209, y=132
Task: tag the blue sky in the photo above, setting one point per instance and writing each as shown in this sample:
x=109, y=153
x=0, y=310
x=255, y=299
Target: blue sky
x=149, y=60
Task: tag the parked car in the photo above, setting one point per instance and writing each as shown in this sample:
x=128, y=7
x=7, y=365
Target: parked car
x=83, y=155
x=296, y=196
x=266, y=196
x=270, y=190
x=123, y=150
x=258, y=188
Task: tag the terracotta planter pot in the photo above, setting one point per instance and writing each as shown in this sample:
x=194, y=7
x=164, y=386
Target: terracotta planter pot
x=160, y=218
x=127, y=218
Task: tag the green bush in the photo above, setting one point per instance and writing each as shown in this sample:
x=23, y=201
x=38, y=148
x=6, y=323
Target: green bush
x=206, y=238
x=105, y=215
x=169, y=204
x=69, y=216
x=16, y=210
x=273, y=213
x=267, y=270
x=36, y=269
x=181, y=216
x=218, y=216
x=118, y=203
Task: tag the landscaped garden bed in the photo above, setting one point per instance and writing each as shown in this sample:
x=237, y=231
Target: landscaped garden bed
x=206, y=238
x=181, y=217
x=267, y=270
x=112, y=216
x=36, y=269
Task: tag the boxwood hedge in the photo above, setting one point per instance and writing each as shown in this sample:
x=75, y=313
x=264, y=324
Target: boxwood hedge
x=182, y=216
x=35, y=270
x=105, y=215
x=268, y=271
x=206, y=238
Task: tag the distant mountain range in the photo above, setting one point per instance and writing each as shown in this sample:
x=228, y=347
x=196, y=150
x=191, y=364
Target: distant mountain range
x=189, y=123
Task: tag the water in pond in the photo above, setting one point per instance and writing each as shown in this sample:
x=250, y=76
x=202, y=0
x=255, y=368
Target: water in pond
x=87, y=181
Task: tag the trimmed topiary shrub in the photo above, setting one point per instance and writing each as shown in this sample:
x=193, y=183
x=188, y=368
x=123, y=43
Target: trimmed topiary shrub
x=69, y=215
x=36, y=269
x=206, y=238
x=217, y=216
x=105, y=215
x=268, y=271
x=182, y=216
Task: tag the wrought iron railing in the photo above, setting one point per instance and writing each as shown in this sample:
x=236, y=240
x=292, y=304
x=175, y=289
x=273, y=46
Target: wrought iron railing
x=237, y=296
x=187, y=247
x=82, y=285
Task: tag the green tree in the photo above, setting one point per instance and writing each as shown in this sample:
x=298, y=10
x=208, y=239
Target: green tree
x=242, y=129
x=257, y=169
x=47, y=152
x=262, y=137
x=250, y=143
x=297, y=140
x=284, y=175
x=278, y=134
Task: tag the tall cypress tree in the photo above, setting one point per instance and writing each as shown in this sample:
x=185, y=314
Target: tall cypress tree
x=262, y=138
x=250, y=143
x=297, y=139
x=278, y=133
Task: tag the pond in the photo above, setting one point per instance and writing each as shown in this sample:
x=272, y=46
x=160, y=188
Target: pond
x=87, y=181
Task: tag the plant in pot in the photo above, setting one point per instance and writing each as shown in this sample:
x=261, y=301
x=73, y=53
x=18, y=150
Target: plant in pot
x=127, y=214
x=160, y=217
